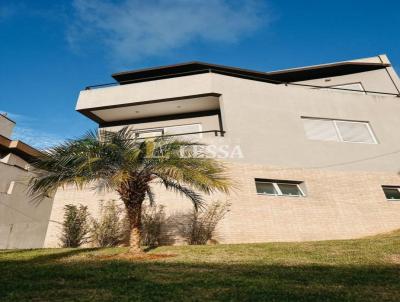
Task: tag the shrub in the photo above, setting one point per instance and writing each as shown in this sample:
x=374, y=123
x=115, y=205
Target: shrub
x=113, y=228
x=199, y=226
x=109, y=229
x=153, y=221
x=75, y=227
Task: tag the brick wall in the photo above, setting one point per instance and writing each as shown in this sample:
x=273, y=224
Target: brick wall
x=338, y=205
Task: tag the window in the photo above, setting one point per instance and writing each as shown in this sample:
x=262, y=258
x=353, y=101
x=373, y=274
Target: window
x=149, y=133
x=391, y=192
x=338, y=130
x=182, y=129
x=171, y=130
x=267, y=188
x=279, y=187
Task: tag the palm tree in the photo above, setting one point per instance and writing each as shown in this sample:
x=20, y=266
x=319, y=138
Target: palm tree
x=130, y=166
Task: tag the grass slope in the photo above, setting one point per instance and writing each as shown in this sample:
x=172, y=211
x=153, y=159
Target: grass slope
x=349, y=270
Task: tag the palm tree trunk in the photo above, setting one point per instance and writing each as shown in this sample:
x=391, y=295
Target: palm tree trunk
x=134, y=212
x=133, y=194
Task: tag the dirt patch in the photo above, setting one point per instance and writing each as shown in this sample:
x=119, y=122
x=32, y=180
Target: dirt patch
x=135, y=257
x=395, y=258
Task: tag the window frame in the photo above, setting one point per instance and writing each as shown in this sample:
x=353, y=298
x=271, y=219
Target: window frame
x=369, y=128
x=338, y=88
x=391, y=187
x=276, y=183
x=148, y=130
x=339, y=134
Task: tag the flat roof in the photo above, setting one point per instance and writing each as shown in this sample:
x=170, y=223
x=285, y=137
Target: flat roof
x=19, y=148
x=277, y=77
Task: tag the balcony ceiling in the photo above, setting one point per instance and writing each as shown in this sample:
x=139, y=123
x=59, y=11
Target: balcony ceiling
x=155, y=109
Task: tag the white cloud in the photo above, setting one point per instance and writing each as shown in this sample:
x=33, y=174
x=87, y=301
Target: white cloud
x=26, y=130
x=35, y=138
x=133, y=29
x=19, y=117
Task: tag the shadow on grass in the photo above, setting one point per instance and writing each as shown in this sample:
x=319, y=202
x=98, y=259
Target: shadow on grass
x=43, y=279
x=43, y=255
x=51, y=257
x=19, y=251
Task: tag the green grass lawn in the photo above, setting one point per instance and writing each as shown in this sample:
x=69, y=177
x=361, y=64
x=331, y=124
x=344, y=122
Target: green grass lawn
x=349, y=270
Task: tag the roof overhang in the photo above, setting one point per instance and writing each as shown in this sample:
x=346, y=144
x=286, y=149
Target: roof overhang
x=277, y=77
x=324, y=71
x=186, y=88
x=184, y=69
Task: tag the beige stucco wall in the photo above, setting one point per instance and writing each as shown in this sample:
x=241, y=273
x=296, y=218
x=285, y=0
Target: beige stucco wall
x=152, y=90
x=265, y=119
x=23, y=222
x=376, y=81
x=381, y=80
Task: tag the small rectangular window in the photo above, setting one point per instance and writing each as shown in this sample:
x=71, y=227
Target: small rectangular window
x=180, y=130
x=320, y=129
x=147, y=133
x=279, y=187
x=267, y=188
x=338, y=130
x=391, y=192
x=355, y=132
x=195, y=129
x=290, y=189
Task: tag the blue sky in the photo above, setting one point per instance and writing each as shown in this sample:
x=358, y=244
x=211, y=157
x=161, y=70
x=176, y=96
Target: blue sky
x=50, y=50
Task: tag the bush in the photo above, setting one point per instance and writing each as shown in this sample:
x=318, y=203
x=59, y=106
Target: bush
x=153, y=221
x=75, y=227
x=199, y=226
x=109, y=229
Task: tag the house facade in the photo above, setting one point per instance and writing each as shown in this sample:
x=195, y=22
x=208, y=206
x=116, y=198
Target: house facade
x=314, y=151
x=23, y=222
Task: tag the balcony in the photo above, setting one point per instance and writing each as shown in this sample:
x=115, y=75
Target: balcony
x=145, y=101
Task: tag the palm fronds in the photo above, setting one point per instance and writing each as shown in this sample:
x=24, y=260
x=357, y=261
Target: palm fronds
x=111, y=160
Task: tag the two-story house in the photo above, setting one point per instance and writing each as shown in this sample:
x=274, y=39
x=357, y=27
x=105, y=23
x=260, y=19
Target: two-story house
x=314, y=151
